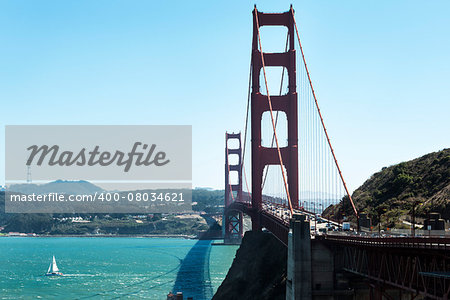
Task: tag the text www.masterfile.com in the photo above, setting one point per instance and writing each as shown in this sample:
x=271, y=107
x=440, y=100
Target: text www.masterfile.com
x=99, y=196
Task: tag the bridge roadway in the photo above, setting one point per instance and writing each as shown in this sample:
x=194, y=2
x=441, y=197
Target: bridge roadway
x=275, y=218
x=280, y=214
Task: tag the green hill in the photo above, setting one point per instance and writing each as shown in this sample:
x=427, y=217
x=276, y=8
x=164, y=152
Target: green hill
x=424, y=181
x=78, y=187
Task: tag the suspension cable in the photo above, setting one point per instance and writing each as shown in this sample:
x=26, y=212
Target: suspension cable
x=321, y=119
x=271, y=115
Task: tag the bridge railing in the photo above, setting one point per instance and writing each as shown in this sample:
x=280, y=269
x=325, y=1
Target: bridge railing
x=400, y=242
x=419, y=232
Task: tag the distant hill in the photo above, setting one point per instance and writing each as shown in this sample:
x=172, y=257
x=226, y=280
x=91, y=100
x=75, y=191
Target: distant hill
x=59, y=186
x=424, y=181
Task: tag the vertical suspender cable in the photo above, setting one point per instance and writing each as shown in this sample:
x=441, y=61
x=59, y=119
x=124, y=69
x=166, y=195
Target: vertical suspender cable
x=323, y=124
x=246, y=126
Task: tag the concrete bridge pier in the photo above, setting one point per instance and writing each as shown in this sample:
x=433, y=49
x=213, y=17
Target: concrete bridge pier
x=299, y=283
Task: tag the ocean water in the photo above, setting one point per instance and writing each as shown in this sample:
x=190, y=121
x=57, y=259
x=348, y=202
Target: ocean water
x=111, y=268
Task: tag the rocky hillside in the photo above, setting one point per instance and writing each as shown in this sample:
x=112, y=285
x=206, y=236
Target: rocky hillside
x=258, y=270
x=424, y=181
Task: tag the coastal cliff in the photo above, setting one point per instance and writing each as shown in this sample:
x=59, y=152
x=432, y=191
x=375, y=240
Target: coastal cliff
x=258, y=270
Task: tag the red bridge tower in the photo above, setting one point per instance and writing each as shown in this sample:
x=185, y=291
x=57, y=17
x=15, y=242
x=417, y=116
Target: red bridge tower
x=232, y=219
x=263, y=156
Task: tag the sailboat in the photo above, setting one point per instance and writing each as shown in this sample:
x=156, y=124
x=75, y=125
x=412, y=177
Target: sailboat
x=53, y=269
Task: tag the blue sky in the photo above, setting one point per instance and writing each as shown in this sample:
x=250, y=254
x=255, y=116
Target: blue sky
x=381, y=72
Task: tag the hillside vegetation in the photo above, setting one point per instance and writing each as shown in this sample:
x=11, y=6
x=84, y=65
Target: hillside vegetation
x=393, y=191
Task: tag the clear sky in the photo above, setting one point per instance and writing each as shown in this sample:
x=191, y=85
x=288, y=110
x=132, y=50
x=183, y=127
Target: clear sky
x=381, y=71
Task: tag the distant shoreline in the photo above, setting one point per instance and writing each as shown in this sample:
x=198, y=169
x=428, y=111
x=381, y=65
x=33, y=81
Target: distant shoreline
x=184, y=236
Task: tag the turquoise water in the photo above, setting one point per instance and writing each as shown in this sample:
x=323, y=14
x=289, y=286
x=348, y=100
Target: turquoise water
x=111, y=268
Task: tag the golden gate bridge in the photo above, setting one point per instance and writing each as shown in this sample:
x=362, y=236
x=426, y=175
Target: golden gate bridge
x=283, y=173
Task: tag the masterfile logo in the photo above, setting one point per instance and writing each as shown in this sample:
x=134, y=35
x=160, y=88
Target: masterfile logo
x=121, y=153
x=52, y=156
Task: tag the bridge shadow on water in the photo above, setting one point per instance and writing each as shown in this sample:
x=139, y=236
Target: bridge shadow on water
x=193, y=278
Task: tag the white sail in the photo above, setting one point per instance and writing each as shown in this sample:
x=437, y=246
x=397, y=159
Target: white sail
x=54, y=267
